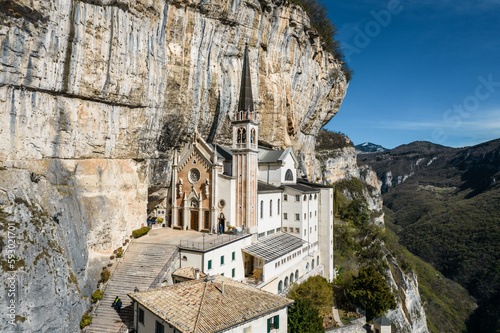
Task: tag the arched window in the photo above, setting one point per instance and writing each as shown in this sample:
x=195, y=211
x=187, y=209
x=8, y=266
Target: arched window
x=238, y=132
x=317, y=261
x=291, y=279
x=280, y=287
x=270, y=208
x=289, y=175
x=262, y=209
x=194, y=203
x=297, y=275
x=312, y=266
x=243, y=135
x=279, y=203
x=286, y=282
x=252, y=136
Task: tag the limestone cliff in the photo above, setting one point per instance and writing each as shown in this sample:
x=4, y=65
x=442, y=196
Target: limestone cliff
x=96, y=94
x=337, y=164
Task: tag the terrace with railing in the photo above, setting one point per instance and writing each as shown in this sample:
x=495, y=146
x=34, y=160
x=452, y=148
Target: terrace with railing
x=210, y=242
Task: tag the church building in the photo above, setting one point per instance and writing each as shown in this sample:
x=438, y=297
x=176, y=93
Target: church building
x=255, y=191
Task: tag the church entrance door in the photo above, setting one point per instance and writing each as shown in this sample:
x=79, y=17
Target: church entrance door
x=222, y=221
x=194, y=220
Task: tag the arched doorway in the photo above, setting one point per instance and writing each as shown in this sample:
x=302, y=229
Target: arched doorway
x=222, y=222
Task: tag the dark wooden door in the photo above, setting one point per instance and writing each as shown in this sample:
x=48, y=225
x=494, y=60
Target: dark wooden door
x=194, y=220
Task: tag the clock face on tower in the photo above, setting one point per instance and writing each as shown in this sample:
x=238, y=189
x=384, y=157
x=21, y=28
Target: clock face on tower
x=194, y=175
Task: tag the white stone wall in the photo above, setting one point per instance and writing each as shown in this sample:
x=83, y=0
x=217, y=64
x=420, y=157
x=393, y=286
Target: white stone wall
x=268, y=222
x=326, y=231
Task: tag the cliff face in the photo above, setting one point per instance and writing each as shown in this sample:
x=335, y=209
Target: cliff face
x=94, y=97
x=339, y=164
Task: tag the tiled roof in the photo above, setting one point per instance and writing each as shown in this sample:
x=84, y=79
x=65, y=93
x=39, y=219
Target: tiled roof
x=274, y=246
x=199, y=306
x=188, y=273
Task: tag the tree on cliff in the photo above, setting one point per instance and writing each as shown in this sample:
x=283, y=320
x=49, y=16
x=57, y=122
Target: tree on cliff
x=316, y=290
x=304, y=318
x=370, y=290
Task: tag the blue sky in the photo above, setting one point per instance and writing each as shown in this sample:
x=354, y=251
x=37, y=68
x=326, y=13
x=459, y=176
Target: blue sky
x=423, y=70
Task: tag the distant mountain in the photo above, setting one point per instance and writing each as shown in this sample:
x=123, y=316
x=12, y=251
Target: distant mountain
x=444, y=205
x=369, y=147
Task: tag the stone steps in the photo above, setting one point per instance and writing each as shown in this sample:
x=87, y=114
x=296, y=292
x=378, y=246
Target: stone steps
x=140, y=265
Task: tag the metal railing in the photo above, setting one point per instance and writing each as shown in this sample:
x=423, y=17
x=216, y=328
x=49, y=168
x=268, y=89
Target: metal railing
x=209, y=244
x=157, y=281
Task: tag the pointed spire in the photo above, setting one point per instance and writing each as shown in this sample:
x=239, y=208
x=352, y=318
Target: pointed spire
x=246, y=101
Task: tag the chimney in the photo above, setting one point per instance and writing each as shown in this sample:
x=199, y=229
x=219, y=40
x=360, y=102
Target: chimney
x=222, y=291
x=197, y=274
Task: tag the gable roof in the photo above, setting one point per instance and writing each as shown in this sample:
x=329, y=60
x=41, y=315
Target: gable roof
x=199, y=306
x=275, y=156
x=274, y=246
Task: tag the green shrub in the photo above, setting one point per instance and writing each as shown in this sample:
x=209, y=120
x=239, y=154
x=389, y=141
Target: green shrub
x=97, y=296
x=140, y=232
x=105, y=275
x=86, y=320
x=119, y=253
x=177, y=227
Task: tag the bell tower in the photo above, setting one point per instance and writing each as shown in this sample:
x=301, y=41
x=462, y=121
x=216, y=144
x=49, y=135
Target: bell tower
x=245, y=153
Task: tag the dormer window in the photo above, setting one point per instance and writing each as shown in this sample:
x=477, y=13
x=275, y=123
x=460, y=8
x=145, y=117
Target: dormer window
x=289, y=175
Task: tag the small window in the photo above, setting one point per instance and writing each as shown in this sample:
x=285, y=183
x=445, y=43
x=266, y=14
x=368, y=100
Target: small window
x=310, y=214
x=297, y=230
x=305, y=197
x=221, y=274
x=262, y=209
x=141, y=316
x=285, y=197
x=315, y=196
x=305, y=231
x=222, y=260
x=233, y=256
x=285, y=216
x=184, y=258
x=278, y=229
x=297, y=217
x=310, y=196
x=159, y=328
x=311, y=230
x=273, y=323
x=285, y=229
x=279, y=203
x=262, y=234
x=315, y=228
x=270, y=208
x=305, y=216
x=233, y=272
x=289, y=175
x=210, y=264
x=297, y=197
x=315, y=213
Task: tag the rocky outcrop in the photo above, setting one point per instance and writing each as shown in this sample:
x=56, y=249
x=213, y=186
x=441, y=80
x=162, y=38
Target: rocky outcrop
x=95, y=95
x=409, y=316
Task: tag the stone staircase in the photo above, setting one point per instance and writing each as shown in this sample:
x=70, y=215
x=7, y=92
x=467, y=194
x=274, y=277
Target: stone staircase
x=139, y=267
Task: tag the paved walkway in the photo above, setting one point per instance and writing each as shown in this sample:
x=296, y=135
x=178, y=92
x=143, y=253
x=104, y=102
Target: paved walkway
x=141, y=264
